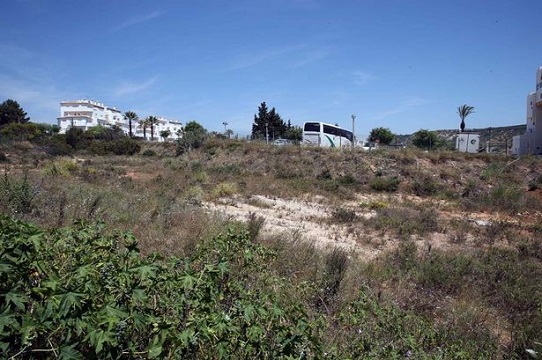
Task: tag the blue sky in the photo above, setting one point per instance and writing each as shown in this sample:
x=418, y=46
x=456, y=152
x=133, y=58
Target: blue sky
x=402, y=64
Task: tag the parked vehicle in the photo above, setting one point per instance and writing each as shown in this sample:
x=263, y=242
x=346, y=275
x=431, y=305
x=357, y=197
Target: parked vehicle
x=281, y=142
x=326, y=135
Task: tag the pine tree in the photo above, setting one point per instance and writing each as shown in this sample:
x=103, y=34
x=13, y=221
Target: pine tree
x=11, y=112
x=267, y=123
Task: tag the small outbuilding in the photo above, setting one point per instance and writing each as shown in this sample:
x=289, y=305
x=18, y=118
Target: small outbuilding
x=468, y=142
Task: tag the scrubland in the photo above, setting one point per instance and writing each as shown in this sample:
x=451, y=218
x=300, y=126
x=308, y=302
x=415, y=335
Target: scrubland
x=244, y=250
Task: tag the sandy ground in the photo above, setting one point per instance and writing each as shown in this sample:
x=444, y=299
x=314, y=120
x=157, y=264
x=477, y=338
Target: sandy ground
x=309, y=219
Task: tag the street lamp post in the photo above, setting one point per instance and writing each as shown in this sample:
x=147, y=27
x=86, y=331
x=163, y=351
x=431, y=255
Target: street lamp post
x=225, y=127
x=353, y=132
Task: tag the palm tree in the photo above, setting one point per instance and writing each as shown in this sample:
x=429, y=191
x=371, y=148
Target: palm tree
x=153, y=121
x=144, y=124
x=464, y=111
x=130, y=116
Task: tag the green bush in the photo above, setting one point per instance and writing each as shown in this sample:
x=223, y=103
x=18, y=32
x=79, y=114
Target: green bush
x=404, y=221
x=81, y=293
x=383, y=183
x=17, y=195
x=425, y=185
x=149, y=152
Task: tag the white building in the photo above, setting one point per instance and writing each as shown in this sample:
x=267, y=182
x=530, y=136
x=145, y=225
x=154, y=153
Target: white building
x=468, y=142
x=174, y=127
x=531, y=141
x=85, y=114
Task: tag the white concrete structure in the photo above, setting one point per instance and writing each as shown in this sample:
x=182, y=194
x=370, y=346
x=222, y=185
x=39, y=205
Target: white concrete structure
x=468, y=142
x=85, y=114
x=531, y=141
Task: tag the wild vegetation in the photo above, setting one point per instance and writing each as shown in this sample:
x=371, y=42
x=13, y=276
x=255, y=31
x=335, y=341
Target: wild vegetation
x=122, y=256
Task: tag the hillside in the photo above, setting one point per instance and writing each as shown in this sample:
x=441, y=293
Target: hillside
x=353, y=254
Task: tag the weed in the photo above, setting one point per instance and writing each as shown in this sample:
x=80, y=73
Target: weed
x=61, y=168
x=374, y=205
x=404, y=221
x=535, y=183
x=18, y=195
x=225, y=189
x=254, y=225
x=194, y=195
x=148, y=152
x=343, y=215
x=425, y=185
x=383, y=183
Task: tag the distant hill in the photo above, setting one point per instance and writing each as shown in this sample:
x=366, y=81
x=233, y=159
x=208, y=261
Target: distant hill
x=500, y=137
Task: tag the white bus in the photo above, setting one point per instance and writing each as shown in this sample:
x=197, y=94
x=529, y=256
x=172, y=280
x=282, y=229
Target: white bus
x=326, y=135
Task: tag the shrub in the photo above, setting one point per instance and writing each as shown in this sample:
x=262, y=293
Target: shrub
x=61, y=168
x=124, y=146
x=382, y=183
x=92, y=295
x=225, y=189
x=425, y=186
x=148, y=152
x=17, y=195
x=404, y=221
x=343, y=215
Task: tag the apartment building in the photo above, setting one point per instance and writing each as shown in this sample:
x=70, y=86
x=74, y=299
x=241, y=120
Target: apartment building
x=85, y=114
x=531, y=141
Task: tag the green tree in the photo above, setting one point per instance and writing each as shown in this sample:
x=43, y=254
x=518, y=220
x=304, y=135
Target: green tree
x=153, y=121
x=294, y=133
x=463, y=111
x=49, y=129
x=193, y=137
x=21, y=132
x=131, y=117
x=381, y=135
x=75, y=138
x=11, y=112
x=164, y=134
x=267, y=124
x=426, y=139
x=107, y=133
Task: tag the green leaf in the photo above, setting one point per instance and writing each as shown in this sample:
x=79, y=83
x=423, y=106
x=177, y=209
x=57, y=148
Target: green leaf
x=155, y=350
x=7, y=320
x=188, y=281
x=68, y=301
x=86, y=270
x=145, y=271
x=17, y=299
x=139, y=296
x=69, y=352
x=5, y=268
x=97, y=339
x=115, y=312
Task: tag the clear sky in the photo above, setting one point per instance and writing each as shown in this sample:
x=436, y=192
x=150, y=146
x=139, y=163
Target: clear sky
x=402, y=64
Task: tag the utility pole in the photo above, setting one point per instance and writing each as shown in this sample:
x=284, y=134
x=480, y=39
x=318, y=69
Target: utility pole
x=225, y=128
x=266, y=133
x=489, y=141
x=353, y=132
